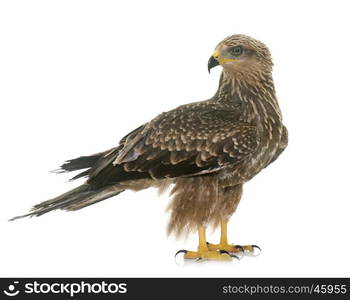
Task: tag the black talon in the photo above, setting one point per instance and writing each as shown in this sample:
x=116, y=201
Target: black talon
x=256, y=246
x=228, y=253
x=180, y=251
x=234, y=256
x=239, y=247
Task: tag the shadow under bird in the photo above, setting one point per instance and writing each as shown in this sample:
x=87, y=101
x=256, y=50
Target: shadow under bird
x=205, y=150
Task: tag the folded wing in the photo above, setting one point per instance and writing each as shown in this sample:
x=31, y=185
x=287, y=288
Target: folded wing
x=193, y=139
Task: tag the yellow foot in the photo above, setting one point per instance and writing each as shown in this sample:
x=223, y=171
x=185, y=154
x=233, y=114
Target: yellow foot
x=231, y=248
x=207, y=254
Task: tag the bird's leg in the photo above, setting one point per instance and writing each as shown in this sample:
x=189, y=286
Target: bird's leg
x=203, y=252
x=231, y=248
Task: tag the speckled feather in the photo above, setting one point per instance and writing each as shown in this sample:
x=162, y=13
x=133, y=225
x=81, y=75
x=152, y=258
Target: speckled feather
x=207, y=149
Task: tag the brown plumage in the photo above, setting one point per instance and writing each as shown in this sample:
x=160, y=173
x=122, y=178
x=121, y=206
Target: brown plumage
x=207, y=149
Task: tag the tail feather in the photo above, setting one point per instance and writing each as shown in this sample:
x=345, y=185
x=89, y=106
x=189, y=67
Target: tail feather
x=94, y=198
x=92, y=164
x=84, y=195
x=82, y=162
x=75, y=199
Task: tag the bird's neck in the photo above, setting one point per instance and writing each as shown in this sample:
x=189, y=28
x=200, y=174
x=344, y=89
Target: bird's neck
x=255, y=91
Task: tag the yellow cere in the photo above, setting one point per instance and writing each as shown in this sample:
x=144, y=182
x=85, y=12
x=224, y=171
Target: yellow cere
x=217, y=55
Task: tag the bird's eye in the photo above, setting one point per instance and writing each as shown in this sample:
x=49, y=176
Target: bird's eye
x=236, y=51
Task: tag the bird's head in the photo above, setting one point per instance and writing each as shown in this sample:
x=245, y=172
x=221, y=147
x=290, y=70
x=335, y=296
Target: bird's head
x=241, y=55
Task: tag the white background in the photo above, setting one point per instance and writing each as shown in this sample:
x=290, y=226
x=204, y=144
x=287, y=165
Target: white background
x=76, y=76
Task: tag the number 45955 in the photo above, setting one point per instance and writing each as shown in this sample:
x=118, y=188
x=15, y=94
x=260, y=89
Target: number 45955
x=330, y=289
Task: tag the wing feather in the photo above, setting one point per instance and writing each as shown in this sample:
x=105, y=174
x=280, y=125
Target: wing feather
x=192, y=139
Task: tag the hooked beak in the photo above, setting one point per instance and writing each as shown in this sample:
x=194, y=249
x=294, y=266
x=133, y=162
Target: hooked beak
x=213, y=62
x=217, y=59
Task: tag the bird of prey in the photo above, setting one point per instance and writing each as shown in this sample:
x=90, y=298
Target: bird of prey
x=205, y=150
